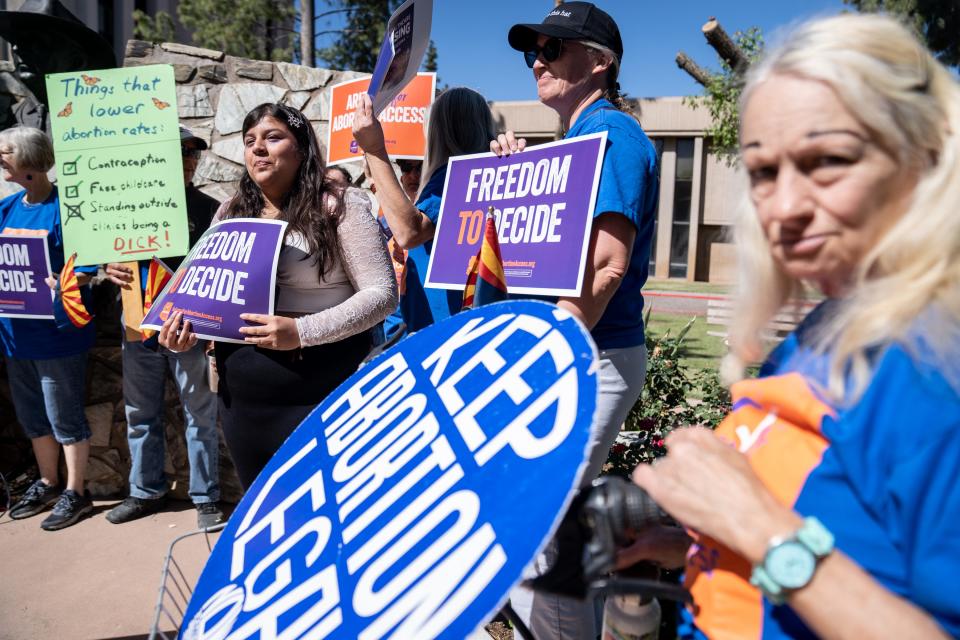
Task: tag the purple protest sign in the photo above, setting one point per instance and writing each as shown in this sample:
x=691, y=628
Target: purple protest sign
x=543, y=200
x=231, y=270
x=24, y=263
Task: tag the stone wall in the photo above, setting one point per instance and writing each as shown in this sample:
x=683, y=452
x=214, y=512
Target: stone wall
x=214, y=93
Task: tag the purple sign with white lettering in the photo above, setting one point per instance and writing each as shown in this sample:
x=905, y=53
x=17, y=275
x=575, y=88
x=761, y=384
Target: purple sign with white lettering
x=231, y=270
x=24, y=263
x=543, y=200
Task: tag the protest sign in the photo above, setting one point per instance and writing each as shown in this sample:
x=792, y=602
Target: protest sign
x=117, y=143
x=231, y=270
x=24, y=264
x=408, y=503
x=404, y=43
x=402, y=120
x=543, y=200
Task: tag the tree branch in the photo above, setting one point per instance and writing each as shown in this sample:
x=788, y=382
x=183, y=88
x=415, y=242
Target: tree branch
x=696, y=72
x=725, y=47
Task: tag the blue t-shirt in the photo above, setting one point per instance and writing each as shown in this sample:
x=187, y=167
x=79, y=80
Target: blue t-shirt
x=419, y=306
x=31, y=339
x=629, y=187
x=880, y=474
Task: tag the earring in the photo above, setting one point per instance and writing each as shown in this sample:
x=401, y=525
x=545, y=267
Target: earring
x=29, y=176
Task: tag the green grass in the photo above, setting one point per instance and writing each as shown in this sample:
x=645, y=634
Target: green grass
x=700, y=350
x=686, y=287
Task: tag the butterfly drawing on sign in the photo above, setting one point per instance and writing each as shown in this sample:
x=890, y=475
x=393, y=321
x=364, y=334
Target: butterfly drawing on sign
x=89, y=80
x=66, y=111
x=160, y=104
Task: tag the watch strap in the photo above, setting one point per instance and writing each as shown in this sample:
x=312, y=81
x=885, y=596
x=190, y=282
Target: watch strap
x=812, y=535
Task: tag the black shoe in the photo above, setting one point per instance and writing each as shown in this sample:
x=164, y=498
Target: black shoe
x=69, y=509
x=132, y=508
x=209, y=515
x=35, y=499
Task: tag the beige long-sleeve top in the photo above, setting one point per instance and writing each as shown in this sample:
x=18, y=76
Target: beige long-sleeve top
x=359, y=289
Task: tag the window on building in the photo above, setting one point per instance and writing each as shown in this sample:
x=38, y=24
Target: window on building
x=658, y=145
x=682, y=194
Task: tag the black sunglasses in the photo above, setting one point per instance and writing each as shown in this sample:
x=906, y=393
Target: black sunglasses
x=550, y=51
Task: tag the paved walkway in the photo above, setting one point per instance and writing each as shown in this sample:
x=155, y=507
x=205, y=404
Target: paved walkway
x=94, y=580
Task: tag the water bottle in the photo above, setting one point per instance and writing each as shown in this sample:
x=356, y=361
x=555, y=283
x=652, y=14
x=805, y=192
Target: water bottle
x=631, y=617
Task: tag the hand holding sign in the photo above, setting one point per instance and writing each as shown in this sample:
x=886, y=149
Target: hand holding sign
x=367, y=130
x=175, y=337
x=271, y=332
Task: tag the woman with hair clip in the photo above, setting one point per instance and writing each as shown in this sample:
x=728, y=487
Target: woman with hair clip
x=459, y=122
x=334, y=282
x=827, y=503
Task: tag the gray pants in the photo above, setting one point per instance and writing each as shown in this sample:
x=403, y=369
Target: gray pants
x=550, y=617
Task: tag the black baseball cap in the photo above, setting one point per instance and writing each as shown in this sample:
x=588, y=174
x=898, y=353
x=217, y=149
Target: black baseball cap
x=570, y=21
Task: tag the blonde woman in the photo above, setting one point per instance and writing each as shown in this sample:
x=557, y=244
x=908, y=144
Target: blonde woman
x=460, y=122
x=836, y=511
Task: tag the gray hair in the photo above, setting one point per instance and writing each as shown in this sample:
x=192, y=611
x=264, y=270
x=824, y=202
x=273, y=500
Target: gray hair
x=30, y=148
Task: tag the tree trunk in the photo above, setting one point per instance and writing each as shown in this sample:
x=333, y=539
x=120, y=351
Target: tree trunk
x=306, y=33
x=696, y=71
x=725, y=47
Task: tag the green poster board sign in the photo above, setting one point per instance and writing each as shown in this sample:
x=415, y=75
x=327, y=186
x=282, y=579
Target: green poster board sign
x=116, y=140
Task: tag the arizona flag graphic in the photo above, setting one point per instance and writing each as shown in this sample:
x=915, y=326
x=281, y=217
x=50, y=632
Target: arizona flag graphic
x=158, y=275
x=485, y=280
x=69, y=299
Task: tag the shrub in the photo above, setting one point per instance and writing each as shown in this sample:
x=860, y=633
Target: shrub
x=674, y=395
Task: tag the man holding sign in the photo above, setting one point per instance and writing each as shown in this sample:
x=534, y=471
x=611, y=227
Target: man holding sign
x=144, y=376
x=46, y=361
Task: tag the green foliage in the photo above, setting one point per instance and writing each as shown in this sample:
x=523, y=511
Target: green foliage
x=722, y=97
x=160, y=28
x=430, y=58
x=361, y=36
x=258, y=29
x=936, y=22
x=673, y=396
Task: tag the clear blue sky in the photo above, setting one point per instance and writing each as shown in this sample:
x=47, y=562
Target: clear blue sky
x=471, y=39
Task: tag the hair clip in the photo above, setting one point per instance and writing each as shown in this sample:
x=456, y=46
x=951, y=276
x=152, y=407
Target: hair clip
x=294, y=121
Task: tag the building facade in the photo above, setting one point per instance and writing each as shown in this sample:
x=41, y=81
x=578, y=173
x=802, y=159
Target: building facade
x=699, y=192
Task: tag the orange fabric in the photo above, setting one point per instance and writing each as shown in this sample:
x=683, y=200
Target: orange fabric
x=781, y=436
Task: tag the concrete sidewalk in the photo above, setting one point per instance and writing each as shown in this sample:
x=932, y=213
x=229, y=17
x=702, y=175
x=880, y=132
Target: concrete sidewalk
x=94, y=580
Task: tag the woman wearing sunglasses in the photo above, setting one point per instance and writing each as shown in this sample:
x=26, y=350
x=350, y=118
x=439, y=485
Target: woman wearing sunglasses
x=575, y=56
x=460, y=122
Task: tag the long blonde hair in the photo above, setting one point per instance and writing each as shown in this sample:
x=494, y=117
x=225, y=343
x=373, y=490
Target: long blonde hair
x=910, y=104
x=460, y=122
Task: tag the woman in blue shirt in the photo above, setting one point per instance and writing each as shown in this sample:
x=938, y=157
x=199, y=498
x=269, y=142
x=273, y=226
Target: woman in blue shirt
x=460, y=122
x=46, y=365
x=827, y=503
x=575, y=56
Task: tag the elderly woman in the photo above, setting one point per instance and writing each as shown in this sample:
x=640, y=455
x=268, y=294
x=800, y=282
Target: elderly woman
x=46, y=364
x=334, y=282
x=575, y=56
x=829, y=503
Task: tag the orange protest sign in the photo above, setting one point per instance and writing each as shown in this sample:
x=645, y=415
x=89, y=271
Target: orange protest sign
x=402, y=119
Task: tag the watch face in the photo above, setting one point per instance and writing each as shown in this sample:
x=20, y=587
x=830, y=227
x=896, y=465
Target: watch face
x=790, y=564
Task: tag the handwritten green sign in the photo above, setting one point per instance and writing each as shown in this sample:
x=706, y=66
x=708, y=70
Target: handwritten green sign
x=117, y=144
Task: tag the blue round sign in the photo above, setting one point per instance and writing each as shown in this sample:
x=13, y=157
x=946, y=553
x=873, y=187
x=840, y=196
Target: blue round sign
x=409, y=502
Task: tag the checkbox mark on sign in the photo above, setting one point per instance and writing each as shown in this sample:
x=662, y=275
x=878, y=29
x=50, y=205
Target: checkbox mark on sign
x=70, y=168
x=73, y=191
